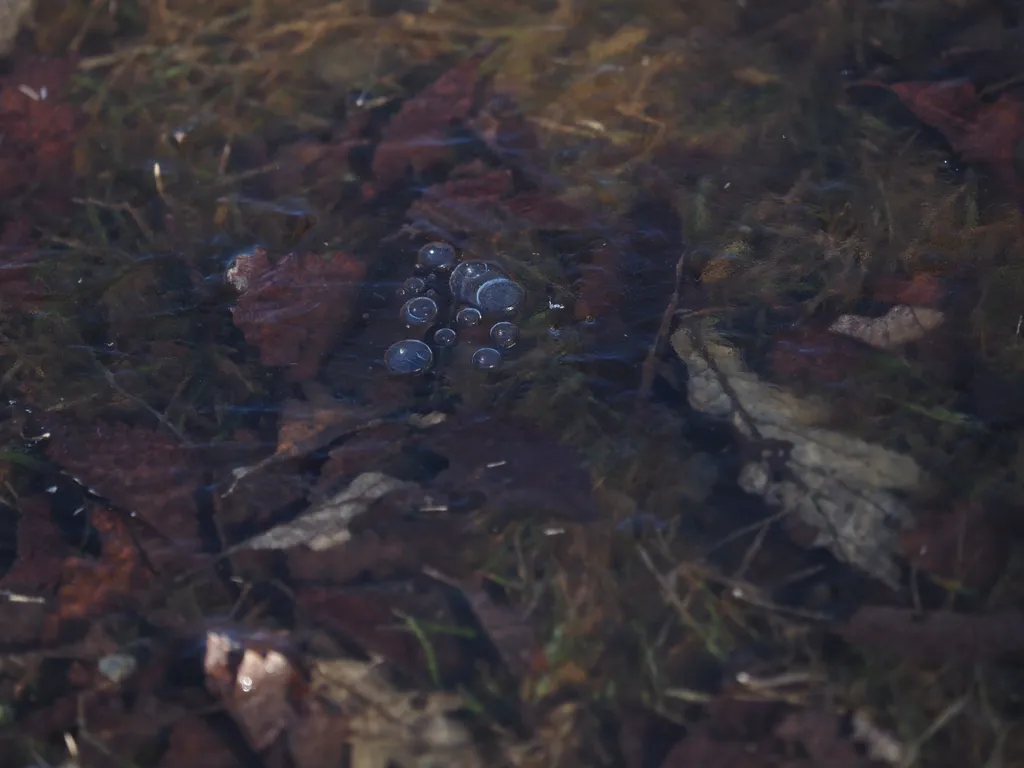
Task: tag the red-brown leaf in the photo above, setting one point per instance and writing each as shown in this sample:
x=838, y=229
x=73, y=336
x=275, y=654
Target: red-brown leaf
x=515, y=465
x=143, y=471
x=937, y=637
x=39, y=132
x=980, y=132
x=962, y=545
x=294, y=311
x=93, y=585
x=481, y=200
x=417, y=136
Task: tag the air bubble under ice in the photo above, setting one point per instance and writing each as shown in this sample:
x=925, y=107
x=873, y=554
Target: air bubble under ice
x=436, y=256
x=414, y=286
x=504, y=334
x=409, y=356
x=467, y=278
x=445, y=337
x=486, y=359
x=420, y=310
x=468, y=317
x=500, y=296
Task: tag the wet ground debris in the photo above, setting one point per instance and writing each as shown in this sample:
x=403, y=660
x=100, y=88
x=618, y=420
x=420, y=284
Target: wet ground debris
x=293, y=310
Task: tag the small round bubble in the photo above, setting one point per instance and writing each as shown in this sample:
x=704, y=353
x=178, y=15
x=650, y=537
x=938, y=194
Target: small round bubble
x=414, y=286
x=408, y=357
x=467, y=278
x=500, y=296
x=468, y=317
x=445, y=337
x=486, y=359
x=436, y=256
x=420, y=310
x=504, y=335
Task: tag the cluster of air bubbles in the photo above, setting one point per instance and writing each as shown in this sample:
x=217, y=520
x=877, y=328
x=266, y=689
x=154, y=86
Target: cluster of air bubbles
x=447, y=299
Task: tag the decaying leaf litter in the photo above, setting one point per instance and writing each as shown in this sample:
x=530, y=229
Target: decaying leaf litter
x=743, y=490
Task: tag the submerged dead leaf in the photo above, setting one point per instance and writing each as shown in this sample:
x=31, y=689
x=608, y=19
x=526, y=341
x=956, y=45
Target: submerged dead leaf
x=193, y=742
x=839, y=485
x=900, y=325
x=40, y=131
x=388, y=726
x=480, y=200
x=294, y=310
x=307, y=425
x=120, y=573
x=937, y=637
x=52, y=588
x=327, y=525
x=143, y=471
x=600, y=286
x=820, y=733
x=35, y=575
x=417, y=137
x=961, y=546
x=816, y=357
x=516, y=466
x=980, y=132
x=257, y=687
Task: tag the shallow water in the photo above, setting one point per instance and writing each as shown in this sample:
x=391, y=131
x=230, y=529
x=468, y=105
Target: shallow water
x=756, y=414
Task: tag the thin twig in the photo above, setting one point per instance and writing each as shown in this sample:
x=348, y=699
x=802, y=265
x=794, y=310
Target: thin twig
x=647, y=372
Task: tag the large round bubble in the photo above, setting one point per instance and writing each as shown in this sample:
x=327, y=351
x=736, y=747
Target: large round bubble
x=408, y=357
x=500, y=296
x=467, y=317
x=504, y=335
x=486, y=359
x=421, y=310
x=467, y=278
x=436, y=256
x=445, y=337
